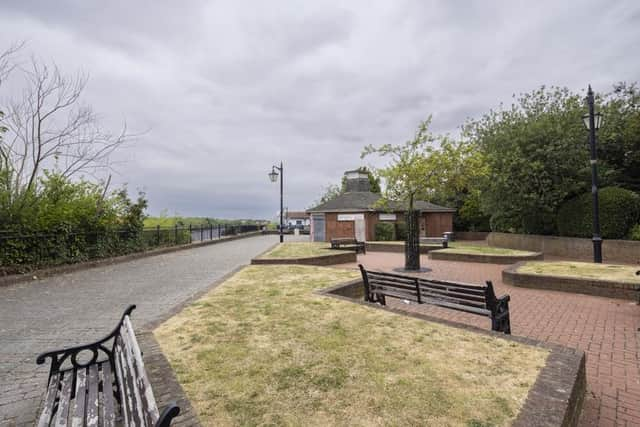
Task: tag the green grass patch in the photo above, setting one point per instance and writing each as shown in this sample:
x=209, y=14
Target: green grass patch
x=301, y=250
x=263, y=349
x=584, y=270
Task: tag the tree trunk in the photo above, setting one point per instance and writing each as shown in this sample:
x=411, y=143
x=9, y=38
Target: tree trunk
x=412, y=244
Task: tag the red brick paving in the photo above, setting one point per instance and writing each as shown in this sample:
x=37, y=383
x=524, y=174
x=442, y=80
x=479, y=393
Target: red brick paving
x=606, y=329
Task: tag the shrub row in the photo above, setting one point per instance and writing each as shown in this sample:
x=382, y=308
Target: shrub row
x=619, y=213
x=387, y=231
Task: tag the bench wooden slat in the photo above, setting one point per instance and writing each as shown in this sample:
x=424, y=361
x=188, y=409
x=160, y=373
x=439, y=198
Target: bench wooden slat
x=410, y=286
x=129, y=387
x=62, y=415
x=147, y=400
x=92, y=397
x=462, y=285
x=412, y=295
x=458, y=307
x=108, y=408
x=78, y=413
x=453, y=294
x=50, y=398
x=125, y=405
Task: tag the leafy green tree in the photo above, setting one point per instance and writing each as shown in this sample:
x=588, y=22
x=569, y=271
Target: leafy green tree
x=536, y=157
x=412, y=175
x=537, y=154
x=619, y=137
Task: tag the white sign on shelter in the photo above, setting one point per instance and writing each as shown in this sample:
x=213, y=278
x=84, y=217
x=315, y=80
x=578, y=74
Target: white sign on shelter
x=350, y=217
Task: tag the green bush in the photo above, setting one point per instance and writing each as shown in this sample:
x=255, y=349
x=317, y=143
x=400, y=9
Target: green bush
x=634, y=233
x=384, y=231
x=401, y=231
x=619, y=211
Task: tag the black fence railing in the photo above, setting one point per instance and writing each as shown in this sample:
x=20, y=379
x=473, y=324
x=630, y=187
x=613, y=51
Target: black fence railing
x=23, y=252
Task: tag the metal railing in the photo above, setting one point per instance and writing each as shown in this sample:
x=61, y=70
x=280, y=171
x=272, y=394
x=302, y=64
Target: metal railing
x=21, y=252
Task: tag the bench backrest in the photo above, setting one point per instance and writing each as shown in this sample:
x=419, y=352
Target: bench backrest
x=344, y=241
x=138, y=405
x=478, y=299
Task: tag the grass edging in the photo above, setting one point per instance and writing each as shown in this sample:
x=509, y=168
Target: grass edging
x=379, y=246
x=588, y=286
x=443, y=255
x=322, y=260
x=556, y=397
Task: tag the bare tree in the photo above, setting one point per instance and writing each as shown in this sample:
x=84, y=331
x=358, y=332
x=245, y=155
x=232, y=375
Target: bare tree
x=49, y=127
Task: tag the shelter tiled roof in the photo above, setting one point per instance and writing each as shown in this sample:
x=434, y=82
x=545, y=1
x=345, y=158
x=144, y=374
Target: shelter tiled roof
x=366, y=200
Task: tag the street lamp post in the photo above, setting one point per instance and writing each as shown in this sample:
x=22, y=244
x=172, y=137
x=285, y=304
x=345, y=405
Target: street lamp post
x=273, y=176
x=592, y=122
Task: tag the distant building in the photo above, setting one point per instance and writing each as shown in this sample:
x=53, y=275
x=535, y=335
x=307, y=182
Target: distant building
x=297, y=219
x=354, y=214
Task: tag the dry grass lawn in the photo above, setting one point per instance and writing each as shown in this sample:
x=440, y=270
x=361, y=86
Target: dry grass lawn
x=301, y=250
x=263, y=349
x=585, y=270
x=461, y=248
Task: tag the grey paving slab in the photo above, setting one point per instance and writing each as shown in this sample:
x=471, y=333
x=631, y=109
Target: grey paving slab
x=78, y=307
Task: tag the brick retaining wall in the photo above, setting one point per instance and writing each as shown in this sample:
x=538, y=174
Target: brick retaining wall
x=341, y=258
x=483, y=258
x=598, y=287
x=624, y=251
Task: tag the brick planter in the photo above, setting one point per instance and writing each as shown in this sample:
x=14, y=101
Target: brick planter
x=340, y=258
x=484, y=258
x=387, y=247
x=554, y=400
x=598, y=287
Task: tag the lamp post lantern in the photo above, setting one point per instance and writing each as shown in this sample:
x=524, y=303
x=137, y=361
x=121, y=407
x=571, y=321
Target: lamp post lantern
x=273, y=176
x=592, y=122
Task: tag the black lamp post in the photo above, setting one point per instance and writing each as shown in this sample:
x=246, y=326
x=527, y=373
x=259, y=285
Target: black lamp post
x=273, y=176
x=592, y=122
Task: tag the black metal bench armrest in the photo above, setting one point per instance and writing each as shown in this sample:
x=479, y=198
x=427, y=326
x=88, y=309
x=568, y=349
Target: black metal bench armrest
x=58, y=356
x=168, y=413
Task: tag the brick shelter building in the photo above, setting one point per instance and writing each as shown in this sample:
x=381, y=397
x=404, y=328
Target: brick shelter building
x=354, y=213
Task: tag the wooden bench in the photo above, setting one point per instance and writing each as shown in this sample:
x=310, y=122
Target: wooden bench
x=349, y=243
x=444, y=241
x=480, y=300
x=103, y=383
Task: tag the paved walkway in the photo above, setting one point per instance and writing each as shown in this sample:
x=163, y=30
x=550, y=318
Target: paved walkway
x=81, y=306
x=608, y=330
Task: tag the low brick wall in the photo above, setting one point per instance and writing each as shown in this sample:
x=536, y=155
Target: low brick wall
x=598, y=287
x=556, y=397
x=483, y=258
x=394, y=248
x=624, y=251
x=470, y=235
x=341, y=258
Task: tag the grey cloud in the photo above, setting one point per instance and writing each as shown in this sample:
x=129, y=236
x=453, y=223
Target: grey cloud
x=226, y=89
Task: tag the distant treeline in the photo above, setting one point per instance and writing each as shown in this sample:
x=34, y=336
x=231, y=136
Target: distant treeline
x=171, y=221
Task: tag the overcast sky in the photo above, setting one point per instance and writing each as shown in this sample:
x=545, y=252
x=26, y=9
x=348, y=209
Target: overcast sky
x=226, y=89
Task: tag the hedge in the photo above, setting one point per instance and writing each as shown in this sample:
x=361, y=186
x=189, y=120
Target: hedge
x=619, y=211
x=384, y=231
x=401, y=231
